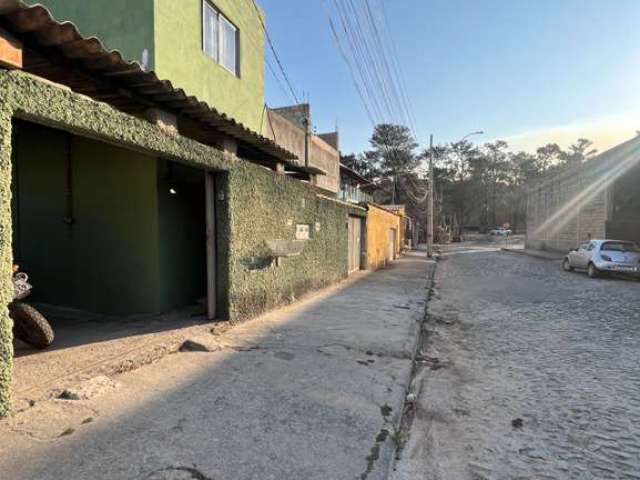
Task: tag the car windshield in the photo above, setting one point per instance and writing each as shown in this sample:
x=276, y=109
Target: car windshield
x=619, y=247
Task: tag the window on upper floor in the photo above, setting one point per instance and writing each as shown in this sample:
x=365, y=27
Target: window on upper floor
x=219, y=38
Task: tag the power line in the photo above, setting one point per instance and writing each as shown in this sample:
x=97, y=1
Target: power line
x=275, y=54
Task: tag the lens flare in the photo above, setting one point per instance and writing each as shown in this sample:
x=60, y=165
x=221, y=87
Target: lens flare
x=616, y=166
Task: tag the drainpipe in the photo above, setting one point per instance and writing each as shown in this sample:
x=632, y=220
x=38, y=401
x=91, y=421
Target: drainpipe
x=307, y=134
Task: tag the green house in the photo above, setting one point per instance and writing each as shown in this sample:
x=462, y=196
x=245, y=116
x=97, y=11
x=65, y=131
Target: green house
x=213, y=49
x=144, y=186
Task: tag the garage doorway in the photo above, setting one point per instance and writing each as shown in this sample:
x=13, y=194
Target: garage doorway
x=108, y=236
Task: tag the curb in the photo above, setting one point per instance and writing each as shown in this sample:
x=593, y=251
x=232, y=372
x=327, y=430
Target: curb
x=390, y=447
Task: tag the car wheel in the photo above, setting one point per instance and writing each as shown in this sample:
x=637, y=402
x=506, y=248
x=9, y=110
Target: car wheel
x=566, y=265
x=592, y=271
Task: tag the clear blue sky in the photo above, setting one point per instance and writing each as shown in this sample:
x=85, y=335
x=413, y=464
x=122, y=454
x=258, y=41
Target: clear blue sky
x=513, y=68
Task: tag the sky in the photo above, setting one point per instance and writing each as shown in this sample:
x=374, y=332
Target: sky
x=526, y=71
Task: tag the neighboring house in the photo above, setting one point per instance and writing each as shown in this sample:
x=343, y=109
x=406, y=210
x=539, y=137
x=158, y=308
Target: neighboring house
x=598, y=199
x=385, y=226
x=124, y=194
x=351, y=186
x=291, y=127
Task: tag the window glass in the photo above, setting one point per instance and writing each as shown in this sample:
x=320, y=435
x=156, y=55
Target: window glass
x=210, y=27
x=619, y=247
x=228, y=44
x=219, y=38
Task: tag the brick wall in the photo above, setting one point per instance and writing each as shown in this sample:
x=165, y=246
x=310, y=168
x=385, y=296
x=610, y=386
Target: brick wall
x=568, y=207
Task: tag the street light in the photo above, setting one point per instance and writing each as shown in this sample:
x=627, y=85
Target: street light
x=432, y=184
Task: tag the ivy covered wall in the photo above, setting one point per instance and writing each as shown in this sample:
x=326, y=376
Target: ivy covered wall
x=26, y=97
x=253, y=206
x=266, y=206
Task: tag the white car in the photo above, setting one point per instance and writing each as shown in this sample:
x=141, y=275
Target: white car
x=500, y=232
x=599, y=256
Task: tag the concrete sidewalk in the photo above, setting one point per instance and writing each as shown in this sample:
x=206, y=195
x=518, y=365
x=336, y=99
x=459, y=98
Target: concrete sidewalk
x=311, y=391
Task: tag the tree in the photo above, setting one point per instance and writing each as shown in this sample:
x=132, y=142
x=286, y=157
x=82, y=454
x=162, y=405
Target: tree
x=578, y=153
x=548, y=156
x=361, y=164
x=392, y=153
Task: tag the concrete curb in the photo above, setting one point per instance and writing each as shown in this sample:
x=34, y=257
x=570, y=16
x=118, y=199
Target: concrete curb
x=390, y=449
x=529, y=253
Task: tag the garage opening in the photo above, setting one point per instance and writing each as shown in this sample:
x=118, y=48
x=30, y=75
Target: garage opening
x=624, y=211
x=111, y=239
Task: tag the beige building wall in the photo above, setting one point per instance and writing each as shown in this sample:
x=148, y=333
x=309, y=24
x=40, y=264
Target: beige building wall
x=291, y=136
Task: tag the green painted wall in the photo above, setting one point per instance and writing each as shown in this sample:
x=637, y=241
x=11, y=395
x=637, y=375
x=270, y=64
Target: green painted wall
x=171, y=30
x=180, y=58
x=107, y=260
x=123, y=25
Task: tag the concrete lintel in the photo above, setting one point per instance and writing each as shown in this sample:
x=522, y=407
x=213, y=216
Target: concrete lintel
x=10, y=50
x=167, y=121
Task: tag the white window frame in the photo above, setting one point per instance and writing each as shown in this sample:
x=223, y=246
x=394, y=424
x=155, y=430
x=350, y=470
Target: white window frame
x=216, y=57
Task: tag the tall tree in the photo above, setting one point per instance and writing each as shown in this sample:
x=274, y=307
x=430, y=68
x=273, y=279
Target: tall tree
x=392, y=153
x=578, y=153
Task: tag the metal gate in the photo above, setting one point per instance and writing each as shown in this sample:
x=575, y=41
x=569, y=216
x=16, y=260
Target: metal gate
x=391, y=252
x=355, y=243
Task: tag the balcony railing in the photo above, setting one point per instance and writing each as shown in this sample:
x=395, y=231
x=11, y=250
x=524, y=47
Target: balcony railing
x=351, y=194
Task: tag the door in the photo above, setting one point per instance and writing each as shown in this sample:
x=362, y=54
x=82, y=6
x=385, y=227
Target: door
x=210, y=220
x=580, y=257
x=355, y=243
x=391, y=254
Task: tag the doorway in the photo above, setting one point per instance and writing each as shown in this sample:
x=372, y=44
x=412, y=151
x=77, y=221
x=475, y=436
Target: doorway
x=391, y=249
x=355, y=243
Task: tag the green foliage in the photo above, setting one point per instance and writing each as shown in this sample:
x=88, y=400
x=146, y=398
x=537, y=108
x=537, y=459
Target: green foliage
x=392, y=149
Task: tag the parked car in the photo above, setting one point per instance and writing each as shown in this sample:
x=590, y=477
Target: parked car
x=598, y=256
x=501, y=232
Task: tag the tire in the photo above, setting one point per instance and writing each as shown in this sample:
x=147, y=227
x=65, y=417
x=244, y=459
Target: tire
x=30, y=326
x=566, y=265
x=592, y=271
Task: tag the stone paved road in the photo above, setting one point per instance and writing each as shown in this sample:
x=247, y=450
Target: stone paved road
x=517, y=338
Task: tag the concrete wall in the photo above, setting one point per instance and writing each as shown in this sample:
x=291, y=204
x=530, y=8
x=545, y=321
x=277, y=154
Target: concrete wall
x=287, y=132
x=117, y=23
x=566, y=208
x=171, y=32
x=379, y=222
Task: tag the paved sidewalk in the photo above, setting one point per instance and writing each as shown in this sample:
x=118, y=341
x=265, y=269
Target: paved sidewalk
x=311, y=391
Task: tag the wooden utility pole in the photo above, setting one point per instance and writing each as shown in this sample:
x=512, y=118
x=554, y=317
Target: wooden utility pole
x=430, y=201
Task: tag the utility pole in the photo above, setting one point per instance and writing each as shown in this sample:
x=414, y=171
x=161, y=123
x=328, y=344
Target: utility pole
x=430, y=201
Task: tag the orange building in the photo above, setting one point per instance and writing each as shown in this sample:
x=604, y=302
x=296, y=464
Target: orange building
x=384, y=235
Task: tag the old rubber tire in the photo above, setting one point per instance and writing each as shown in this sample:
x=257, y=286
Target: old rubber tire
x=30, y=326
x=566, y=265
x=592, y=271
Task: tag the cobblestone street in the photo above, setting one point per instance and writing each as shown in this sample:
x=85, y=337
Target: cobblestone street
x=531, y=373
